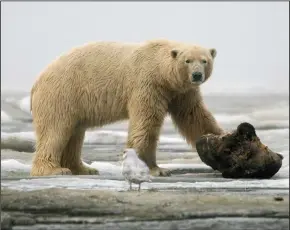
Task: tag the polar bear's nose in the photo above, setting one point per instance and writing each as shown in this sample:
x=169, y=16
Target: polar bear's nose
x=196, y=76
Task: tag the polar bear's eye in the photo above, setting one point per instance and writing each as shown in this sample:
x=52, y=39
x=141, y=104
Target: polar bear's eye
x=204, y=61
x=187, y=61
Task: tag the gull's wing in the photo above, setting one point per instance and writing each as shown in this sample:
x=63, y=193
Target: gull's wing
x=135, y=169
x=143, y=165
x=143, y=170
x=126, y=168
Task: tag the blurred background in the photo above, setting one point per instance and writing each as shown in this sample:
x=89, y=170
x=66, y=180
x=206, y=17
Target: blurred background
x=252, y=38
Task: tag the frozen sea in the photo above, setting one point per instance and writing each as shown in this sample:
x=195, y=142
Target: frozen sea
x=268, y=113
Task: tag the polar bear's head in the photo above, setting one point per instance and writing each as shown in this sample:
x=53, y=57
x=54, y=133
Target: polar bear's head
x=194, y=63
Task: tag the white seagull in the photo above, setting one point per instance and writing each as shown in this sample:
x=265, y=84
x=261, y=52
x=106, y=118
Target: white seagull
x=134, y=169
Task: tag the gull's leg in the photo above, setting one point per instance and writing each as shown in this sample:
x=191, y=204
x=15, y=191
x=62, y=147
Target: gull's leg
x=139, y=187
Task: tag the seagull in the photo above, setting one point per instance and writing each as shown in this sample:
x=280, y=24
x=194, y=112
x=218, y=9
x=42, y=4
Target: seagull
x=134, y=169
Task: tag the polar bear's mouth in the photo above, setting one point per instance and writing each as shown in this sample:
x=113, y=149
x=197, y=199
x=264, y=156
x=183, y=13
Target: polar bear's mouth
x=196, y=83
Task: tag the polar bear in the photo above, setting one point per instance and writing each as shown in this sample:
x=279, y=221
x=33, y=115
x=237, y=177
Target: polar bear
x=104, y=82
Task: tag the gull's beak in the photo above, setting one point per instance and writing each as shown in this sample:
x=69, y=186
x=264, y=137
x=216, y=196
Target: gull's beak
x=121, y=154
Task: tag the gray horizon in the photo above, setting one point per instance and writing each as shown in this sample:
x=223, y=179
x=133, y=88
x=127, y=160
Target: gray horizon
x=251, y=38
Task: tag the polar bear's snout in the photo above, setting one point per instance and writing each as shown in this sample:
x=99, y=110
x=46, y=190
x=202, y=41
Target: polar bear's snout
x=197, y=77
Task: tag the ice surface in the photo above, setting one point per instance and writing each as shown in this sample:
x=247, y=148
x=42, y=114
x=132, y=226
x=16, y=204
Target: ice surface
x=105, y=168
x=114, y=169
x=24, y=104
x=266, y=119
x=94, y=137
x=5, y=118
x=103, y=184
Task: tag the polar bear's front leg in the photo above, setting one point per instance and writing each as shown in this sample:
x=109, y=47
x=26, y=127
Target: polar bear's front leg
x=144, y=130
x=191, y=117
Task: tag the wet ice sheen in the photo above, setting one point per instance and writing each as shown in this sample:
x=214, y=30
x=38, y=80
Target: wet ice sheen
x=109, y=169
x=118, y=185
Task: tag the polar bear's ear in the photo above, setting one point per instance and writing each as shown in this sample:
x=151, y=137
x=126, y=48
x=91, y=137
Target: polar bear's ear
x=174, y=53
x=213, y=52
